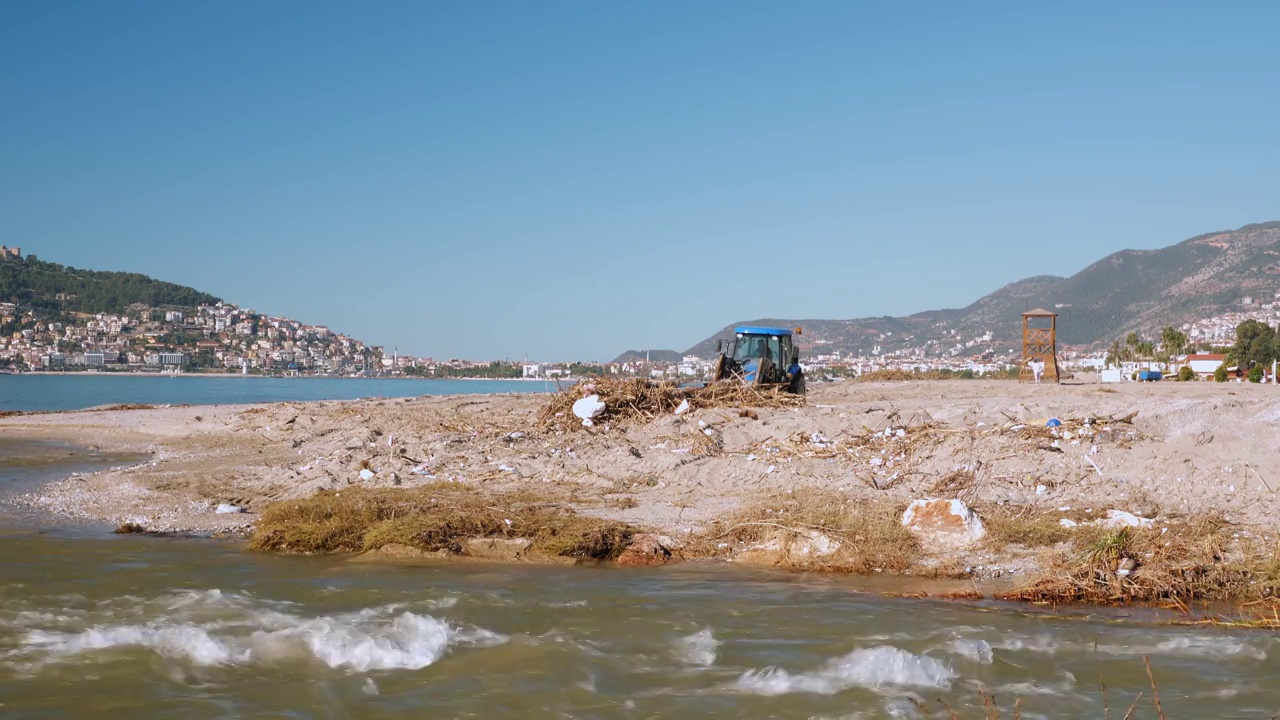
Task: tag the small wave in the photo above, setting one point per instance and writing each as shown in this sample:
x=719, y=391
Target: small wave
x=171, y=641
x=698, y=648
x=871, y=668
x=210, y=628
x=978, y=651
x=1206, y=646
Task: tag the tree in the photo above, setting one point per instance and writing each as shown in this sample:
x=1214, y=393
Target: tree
x=1255, y=374
x=1172, y=341
x=1220, y=374
x=1255, y=345
x=1186, y=374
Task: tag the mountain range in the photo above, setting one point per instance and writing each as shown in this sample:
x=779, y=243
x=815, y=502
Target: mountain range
x=1130, y=290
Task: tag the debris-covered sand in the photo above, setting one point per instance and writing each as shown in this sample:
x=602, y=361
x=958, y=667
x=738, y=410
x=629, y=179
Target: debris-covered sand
x=1166, y=451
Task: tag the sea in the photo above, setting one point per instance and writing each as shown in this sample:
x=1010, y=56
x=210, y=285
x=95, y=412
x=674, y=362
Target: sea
x=42, y=393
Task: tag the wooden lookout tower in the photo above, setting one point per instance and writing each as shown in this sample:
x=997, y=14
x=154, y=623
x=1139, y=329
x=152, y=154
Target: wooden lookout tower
x=1039, y=344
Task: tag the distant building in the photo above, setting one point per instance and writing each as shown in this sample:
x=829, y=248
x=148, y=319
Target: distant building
x=95, y=359
x=1204, y=364
x=9, y=252
x=173, y=316
x=173, y=358
x=532, y=371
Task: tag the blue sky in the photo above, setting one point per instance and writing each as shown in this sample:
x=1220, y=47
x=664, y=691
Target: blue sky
x=571, y=179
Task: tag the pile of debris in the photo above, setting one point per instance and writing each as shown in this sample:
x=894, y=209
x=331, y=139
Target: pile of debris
x=623, y=401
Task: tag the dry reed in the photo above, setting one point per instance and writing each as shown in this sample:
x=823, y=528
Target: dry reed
x=638, y=400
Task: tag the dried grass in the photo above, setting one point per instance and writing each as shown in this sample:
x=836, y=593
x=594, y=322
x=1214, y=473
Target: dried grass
x=432, y=518
x=1027, y=528
x=1191, y=561
x=871, y=535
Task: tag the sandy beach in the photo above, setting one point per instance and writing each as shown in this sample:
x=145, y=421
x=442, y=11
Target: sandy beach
x=1191, y=450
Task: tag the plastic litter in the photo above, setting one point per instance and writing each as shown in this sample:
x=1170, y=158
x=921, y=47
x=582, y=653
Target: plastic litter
x=227, y=509
x=1053, y=422
x=588, y=408
x=684, y=407
x=366, y=474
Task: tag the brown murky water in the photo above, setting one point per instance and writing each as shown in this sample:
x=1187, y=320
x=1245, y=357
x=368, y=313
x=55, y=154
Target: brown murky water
x=97, y=625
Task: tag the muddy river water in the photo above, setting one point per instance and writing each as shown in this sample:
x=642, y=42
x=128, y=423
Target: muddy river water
x=95, y=625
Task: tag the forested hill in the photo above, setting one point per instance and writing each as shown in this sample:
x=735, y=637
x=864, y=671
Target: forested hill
x=1131, y=290
x=52, y=289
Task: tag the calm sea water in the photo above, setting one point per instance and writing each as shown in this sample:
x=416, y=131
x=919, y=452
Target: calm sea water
x=74, y=392
x=94, y=625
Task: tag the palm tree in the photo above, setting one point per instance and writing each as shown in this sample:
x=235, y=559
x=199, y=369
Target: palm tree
x=1172, y=341
x=1115, y=354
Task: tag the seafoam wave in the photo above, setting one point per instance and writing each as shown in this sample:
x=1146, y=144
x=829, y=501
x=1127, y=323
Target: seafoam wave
x=975, y=649
x=698, y=648
x=1203, y=646
x=872, y=668
x=210, y=628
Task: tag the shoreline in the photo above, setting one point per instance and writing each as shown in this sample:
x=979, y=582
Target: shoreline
x=676, y=491
x=62, y=373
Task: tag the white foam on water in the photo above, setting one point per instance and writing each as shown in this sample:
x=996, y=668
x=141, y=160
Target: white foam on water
x=698, y=648
x=1065, y=686
x=409, y=642
x=872, y=668
x=977, y=650
x=1206, y=646
x=185, y=642
x=211, y=628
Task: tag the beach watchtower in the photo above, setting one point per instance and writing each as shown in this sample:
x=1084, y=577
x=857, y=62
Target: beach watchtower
x=1039, y=344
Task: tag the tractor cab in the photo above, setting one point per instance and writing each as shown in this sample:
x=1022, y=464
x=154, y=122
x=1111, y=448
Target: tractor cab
x=761, y=356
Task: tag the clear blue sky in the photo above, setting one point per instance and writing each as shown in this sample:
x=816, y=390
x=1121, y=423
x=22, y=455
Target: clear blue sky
x=570, y=179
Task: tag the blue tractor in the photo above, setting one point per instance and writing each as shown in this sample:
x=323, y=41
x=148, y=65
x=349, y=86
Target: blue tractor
x=761, y=356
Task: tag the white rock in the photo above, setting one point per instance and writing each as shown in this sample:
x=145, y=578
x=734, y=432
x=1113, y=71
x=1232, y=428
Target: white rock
x=1067, y=523
x=947, y=522
x=588, y=408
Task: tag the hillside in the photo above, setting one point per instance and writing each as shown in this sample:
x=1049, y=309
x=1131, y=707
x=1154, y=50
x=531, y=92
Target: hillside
x=1130, y=290
x=54, y=290
x=659, y=356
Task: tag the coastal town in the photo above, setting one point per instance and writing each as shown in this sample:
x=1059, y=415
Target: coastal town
x=223, y=338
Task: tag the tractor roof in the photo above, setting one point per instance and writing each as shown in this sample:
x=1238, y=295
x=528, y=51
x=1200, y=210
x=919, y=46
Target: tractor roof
x=753, y=330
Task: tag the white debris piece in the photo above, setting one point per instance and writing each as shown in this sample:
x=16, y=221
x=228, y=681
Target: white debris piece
x=588, y=408
x=1120, y=518
x=226, y=509
x=1067, y=523
x=684, y=407
x=366, y=474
